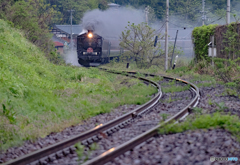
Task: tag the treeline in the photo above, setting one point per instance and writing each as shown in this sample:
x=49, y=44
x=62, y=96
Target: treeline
x=80, y=7
x=36, y=17
x=187, y=10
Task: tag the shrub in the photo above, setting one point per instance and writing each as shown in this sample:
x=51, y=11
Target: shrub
x=201, y=38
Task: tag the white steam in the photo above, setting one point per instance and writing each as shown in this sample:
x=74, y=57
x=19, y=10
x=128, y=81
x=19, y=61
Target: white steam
x=71, y=58
x=83, y=31
x=112, y=22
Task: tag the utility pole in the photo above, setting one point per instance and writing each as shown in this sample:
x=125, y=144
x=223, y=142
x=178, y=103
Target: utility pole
x=203, y=12
x=212, y=40
x=166, y=36
x=71, y=42
x=228, y=12
x=174, y=49
x=146, y=13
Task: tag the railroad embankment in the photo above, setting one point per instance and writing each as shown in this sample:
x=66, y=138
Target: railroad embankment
x=38, y=97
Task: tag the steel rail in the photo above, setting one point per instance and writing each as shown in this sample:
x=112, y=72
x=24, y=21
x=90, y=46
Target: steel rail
x=61, y=146
x=119, y=150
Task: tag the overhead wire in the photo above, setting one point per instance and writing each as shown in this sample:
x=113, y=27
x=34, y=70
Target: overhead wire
x=159, y=30
x=177, y=25
x=215, y=20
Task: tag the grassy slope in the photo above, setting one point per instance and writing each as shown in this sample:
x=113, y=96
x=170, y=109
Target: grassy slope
x=38, y=97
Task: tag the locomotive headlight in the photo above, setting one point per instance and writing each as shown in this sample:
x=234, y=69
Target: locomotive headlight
x=90, y=35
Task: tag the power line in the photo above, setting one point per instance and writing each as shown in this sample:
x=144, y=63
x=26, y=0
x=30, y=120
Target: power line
x=161, y=27
x=215, y=20
x=177, y=25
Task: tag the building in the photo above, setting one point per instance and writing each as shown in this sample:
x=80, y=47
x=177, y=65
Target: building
x=58, y=43
x=62, y=34
x=113, y=5
x=64, y=31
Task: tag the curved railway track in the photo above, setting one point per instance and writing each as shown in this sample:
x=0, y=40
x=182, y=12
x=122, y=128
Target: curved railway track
x=65, y=147
x=129, y=145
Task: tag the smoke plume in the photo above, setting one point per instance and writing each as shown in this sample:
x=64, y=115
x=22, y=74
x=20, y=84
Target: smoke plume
x=112, y=22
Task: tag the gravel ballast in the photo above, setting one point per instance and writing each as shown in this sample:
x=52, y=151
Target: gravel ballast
x=188, y=148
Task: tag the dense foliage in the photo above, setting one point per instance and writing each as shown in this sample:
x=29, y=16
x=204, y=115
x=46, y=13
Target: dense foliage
x=33, y=18
x=201, y=38
x=80, y=7
x=230, y=42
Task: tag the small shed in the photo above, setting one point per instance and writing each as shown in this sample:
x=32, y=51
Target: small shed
x=59, y=46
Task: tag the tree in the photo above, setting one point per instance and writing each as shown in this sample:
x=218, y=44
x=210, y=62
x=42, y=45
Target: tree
x=103, y=5
x=4, y=5
x=33, y=18
x=188, y=10
x=139, y=41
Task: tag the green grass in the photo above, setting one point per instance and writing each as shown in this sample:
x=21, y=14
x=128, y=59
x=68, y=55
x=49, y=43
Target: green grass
x=38, y=97
x=173, y=89
x=167, y=87
x=156, y=78
x=132, y=67
x=180, y=72
x=206, y=121
x=185, y=70
x=173, y=86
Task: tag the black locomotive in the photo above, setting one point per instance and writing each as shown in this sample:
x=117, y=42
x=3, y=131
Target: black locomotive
x=92, y=49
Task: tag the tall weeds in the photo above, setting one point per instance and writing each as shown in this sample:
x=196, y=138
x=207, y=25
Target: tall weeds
x=225, y=70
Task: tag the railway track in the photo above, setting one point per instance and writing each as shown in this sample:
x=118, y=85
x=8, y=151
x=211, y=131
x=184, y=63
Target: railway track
x=44, y=155
x=48, y=154
x=114, y=152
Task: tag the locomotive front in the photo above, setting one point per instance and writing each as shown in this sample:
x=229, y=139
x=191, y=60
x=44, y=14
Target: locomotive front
x=91, y=49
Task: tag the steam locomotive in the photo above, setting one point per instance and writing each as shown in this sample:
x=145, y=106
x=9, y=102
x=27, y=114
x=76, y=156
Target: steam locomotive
x=93, y=49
